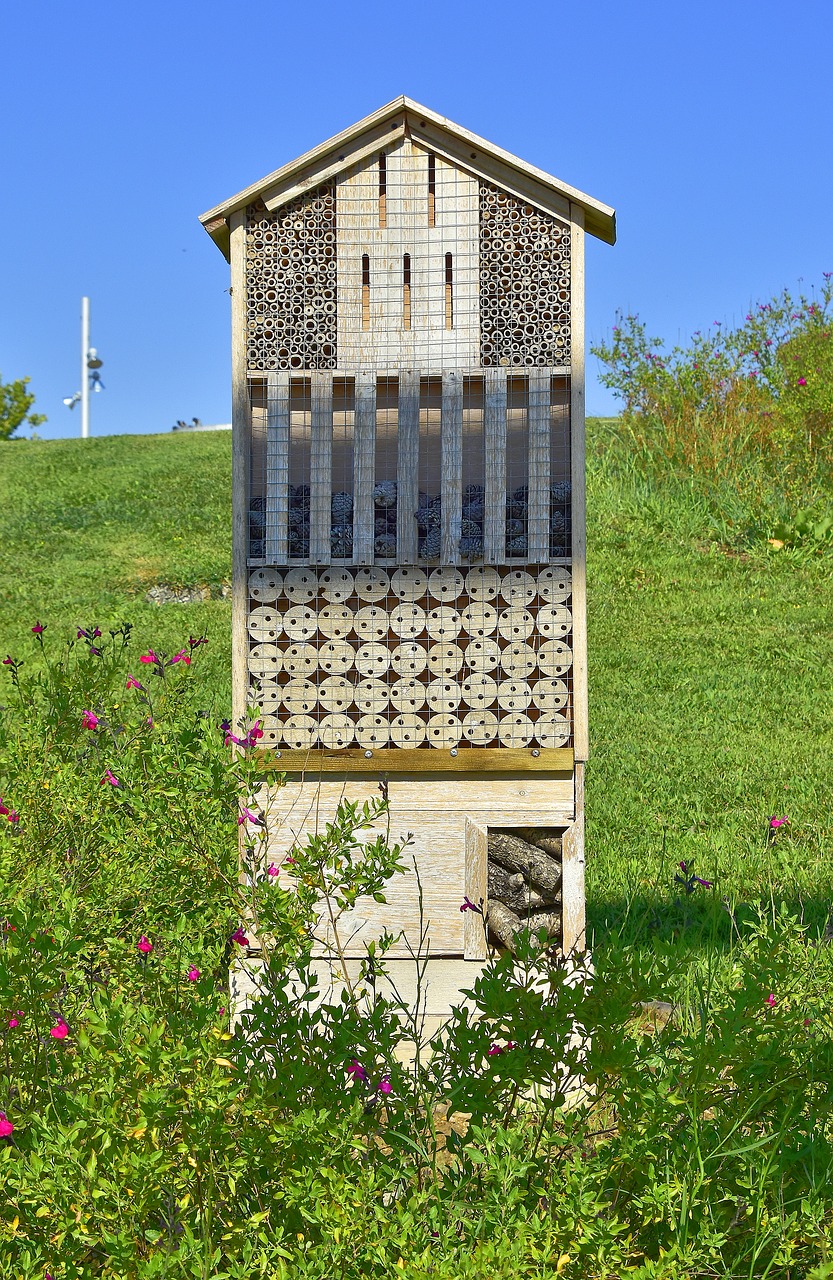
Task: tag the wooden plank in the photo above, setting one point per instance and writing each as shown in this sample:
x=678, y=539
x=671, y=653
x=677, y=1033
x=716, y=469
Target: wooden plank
x=321, y=466
x=494, y=433
x=277, y=468
x=581, y=741
x=477, y=857
x=407, y=467
x=572, y=873
x=538, y=433
x=241, y=462
x=451, y=434
x=280, y=193
x=428, y=760
x=364, y=467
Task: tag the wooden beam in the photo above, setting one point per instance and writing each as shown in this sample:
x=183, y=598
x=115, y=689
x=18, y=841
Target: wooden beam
x=539, y=433
x=277, y=468
x=328, y=166
x=407, y=467
x=572, y=874
x=494, y=432
x=364, y=467
x=476, y=876
x=451, y=449
x=469, y=760
x=321, y=466
x=581, y=740
x=241, y=427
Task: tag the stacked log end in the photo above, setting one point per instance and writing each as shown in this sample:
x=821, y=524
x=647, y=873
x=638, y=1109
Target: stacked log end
x=524, y=884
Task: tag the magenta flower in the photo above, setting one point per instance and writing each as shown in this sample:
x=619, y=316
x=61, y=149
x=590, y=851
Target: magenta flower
x=38, y=629
x=195, y=644
x=802, y=382
x=148, y=657
x=132, y=683
x=13, y=816
x=384, y=1085
x=289, y=862
x=182, y=656
x=272, y=870
x=96, y=653
x=193, y=974
x=468, y=905
x=356, y=1071
x=248, y=816
x=60, y=1031
x=254, y=734
x=8, y=661
x=144, y=945
x=89, y=720
x=6, y=1126
x=770, y=1000
x=3, y=809
x=239, y=937
x=775, y=823
x=494, y=1051
x=111, y=778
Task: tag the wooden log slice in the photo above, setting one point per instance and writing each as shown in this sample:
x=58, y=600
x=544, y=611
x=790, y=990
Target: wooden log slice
x=265, y=585
x=335, y=657
x=550, y=921
x=445, y=660
x=267, y=696
x=443, y=730
x=301, y=660
x=552, y=730
x=443, y=696
x=407, y=730
x=336, y=731
x=445, y=584
x=514, y=695
x=515, y=854
x=372, y=731
x=300, y=697
x=371, y=696
x=554, y=658
x=482, y=583
x=549, y=695
x=518, y=660
x=555, y=621
x=300, y=622
x=407, y=620
x=372, y=623
x=335, y=694
x=409, y=659
x=555, y=584
x=335, y=621
x=518, y=588
x=265, y=623
x=515, y=729
x=300, y=733
x=480, y=727
x=479, y=690
x=372, y=584
x=482, y=655
x=301, y=585
x=515, y=624
x=264, y=660
x=336, y=585
x=407, y=695
x=372, y=659
x=479, y=619
x=409, y=584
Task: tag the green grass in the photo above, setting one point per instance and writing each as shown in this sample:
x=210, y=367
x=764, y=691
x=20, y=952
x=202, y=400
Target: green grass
x=710, y=707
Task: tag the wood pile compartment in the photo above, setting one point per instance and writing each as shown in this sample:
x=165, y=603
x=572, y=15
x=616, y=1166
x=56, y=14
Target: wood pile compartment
x=524, y=884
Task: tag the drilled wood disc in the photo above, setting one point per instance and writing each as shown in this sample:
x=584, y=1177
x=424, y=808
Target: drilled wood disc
x=549, y=695
x=443, y=623
x=480, y=727
x=514, y=695
x=268, y=697
x=372, y=731
x=300, y=622
x=479, y=619
x=409, y=659
x=335, y=694
x=265, y=623
x=265, y=660
x=478, y=690
x=300, y=733
x=301, y=659
x=300, y=697
x=335, y=621
x=372, y=622
x=336, y=585
x=555, y=584
x=301, y=585
x=518, y=660
x=335, y=657
x=409, y=583
x=554, y=621
x=515, y=729
x=336, y=731
x=483, y=655
x=445, y=584
x=372, y=584
x=407, y=695
x=372, y=659
x=552, y=730
x=445, y=660
x=516, y=624
x=555, y=658
x=371, y=696
x=407, y=620
x=518, y=588
x=407, y=730
x=482, y=584
x=443, y=730
x=443, y=695
x=265, y=585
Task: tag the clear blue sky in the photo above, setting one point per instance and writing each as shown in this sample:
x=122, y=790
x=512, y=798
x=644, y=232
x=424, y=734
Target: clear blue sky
x=708, y=126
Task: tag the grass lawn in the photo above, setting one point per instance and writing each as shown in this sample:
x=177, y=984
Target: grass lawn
x=710, y=704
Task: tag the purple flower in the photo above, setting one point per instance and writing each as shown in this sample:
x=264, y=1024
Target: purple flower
x=384, y=1085
x=356, y=1071
x=248, y=816
x=111, y=778
x=239, y=937
x=802, y=382
x=272, y=870
x=38, y=629
x=468, y=905
x=193, y=974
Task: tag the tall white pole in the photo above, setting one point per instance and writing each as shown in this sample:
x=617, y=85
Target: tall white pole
x=85, y=373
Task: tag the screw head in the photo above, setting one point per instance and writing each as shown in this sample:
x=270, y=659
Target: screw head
x=368, y=755
x=535, y=751
x=454, y=751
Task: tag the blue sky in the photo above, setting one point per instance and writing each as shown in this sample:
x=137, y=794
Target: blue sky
x=707, y=126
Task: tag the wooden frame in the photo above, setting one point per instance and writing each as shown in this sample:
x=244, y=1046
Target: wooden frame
x=468, y=760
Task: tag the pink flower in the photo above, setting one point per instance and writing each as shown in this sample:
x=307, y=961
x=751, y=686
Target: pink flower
x=144, y=945
x=468, y=905
x=239, y=937
x=150, y=656
x=6, y=1126
x=60, y=1031
x=111, y=778
x=13, y=816
x=384, y=1085
x=195, y=644
x=95, y=652
x=289, y=862
x=802, y=382
x=248, y=816
x=182, y=656
x=8, y=661
x=254, y=733
x=38, y=629
x=356, y=1070
x=770, y=1000
x=89, y=720
x=193, y=974
x=14, y=1021
x=132, y=683
x=808, y=1022
x=3, y=809
x=775, y=823
x=272, y=870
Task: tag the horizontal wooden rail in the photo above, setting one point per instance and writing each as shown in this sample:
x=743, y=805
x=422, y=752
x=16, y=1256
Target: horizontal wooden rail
x=474, y=760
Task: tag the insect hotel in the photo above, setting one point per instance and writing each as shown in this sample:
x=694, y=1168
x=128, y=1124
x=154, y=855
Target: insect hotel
x=409, y=525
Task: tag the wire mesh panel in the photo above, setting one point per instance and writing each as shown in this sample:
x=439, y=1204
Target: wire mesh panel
x=449, y=657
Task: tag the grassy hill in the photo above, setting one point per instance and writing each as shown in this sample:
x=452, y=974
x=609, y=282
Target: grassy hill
x=710, y=703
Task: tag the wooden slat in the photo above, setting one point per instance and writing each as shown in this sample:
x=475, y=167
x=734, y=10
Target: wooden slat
x=241, y=462
x=364, y=467
x=321, y=466
x=277, y=468
x=538, y=431
x=469, y=760
x=477, y=857
x=407, y=467
x=581, y=740
x=494, y=439
x=452, y=465
x=572, y=873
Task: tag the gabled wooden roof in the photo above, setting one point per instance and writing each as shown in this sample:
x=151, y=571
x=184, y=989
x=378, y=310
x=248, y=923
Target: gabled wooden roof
x=436, y=133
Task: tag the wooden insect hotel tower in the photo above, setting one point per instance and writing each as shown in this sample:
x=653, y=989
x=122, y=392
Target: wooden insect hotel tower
x=409, y=524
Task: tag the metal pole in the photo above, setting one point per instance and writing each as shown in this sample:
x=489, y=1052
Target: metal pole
x=85, y=375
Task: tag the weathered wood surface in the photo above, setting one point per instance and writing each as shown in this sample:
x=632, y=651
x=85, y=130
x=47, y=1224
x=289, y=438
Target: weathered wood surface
x=572, y=864
x=549, y=844
x=467, y=760
x=578, y=482
x=516, y=855
x=364, y=467
x=504, y=924
x=512, y=889
x=241, y=450
x=277, y=468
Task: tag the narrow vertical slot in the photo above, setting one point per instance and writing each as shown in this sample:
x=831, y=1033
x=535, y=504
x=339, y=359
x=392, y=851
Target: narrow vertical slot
x=383, y=190
x=449, y=292
x=365, y=291
x=406, y=291
x=432, y=190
